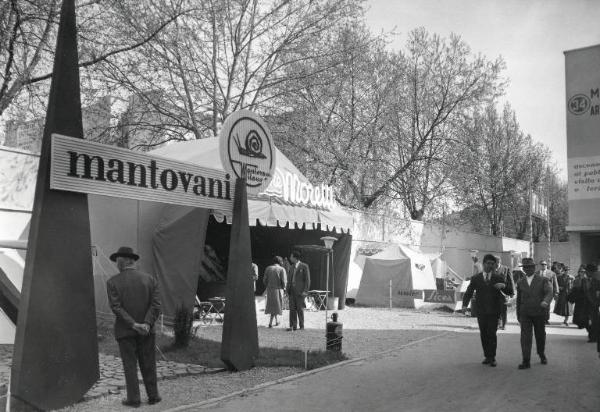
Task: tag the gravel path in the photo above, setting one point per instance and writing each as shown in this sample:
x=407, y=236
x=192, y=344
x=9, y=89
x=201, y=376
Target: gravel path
x=367, y=331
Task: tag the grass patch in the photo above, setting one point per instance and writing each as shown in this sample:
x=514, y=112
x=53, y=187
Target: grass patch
x=208, y=352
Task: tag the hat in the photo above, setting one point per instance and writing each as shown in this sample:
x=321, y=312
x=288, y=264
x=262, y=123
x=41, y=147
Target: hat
x=527, y=262
x=124, y=251
x=543, y=262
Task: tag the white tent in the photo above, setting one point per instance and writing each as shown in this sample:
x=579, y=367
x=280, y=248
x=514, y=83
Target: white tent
x=11, y=267
x=409, y=272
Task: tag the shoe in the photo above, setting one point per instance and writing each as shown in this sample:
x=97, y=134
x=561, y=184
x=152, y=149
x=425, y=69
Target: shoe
x=270, y=326
x=493, y=362
x=501, y=327
x=486, y=361
x=301, y=327
x=543, y=359
x=590, y=340
x=276, y=323
x=152, y=401
x=133, y=404
x=524, y=365
x=290, y=329
x=566, y=323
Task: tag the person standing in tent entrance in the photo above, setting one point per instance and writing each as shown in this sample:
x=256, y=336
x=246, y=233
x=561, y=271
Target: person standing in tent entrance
x=135, y=300
x=297, y=288
x=504, y=272
x=274, y=280
x=254, y=274
x=488, y=286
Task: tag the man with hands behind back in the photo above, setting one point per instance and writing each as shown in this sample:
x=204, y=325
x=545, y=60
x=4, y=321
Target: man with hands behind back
x=134, y=298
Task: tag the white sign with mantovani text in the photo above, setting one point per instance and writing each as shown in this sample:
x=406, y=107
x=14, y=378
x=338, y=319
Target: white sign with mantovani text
x=81, y=166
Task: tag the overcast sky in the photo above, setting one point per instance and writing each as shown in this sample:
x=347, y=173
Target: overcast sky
x=531, y=36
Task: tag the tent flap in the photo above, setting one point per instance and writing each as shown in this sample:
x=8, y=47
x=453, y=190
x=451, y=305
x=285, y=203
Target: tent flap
x=177, y=251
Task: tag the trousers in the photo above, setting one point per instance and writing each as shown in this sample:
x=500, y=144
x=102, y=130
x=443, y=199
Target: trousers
x=296, y=311
x=488, y=326
x=537, y=325
x=134, y=350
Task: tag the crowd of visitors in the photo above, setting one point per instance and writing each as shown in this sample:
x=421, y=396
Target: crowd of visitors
x=492, y=289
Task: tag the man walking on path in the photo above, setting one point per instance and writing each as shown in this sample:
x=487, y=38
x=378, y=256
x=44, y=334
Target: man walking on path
x=534, y=294
x=488, y=286
x=135, y=300
x=593, y=297
x=505, y=273
x=298, y=286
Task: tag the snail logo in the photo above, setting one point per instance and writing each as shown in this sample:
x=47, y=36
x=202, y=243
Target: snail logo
x=247, y=150
x=252, y=146
x=579, y=104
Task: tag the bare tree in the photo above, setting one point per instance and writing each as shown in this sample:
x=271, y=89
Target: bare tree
x=443, y=84
x=334, y=127
x=28, y=30
x=217, y=58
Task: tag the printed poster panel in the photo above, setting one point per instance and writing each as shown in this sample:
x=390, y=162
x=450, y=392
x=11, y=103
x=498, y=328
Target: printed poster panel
x=584, y=178
x=583, y=137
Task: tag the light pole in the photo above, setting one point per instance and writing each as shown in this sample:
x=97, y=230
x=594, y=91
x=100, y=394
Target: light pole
x=329, y=241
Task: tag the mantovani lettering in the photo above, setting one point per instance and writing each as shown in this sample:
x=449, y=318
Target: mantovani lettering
x=85, y=166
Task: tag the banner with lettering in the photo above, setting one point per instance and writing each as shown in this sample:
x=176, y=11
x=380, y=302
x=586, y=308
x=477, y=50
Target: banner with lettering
x=583, y=146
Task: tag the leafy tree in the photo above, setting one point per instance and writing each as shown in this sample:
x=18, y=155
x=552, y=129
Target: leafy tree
x=442, y=83
x=497, y=167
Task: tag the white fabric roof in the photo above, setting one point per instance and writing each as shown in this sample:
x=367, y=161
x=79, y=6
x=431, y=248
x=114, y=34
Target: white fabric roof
x=269, y=211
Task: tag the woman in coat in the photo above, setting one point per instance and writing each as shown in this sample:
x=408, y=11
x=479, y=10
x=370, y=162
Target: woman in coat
x=275, y=281
x=561, y=308
x=581, y=315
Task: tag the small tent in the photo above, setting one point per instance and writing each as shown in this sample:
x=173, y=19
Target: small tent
x=409, y=272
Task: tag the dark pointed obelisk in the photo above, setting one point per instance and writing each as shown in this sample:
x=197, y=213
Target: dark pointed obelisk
x=239, y=344
x=55, y=359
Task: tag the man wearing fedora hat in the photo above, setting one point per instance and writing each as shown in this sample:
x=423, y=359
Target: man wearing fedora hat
x=135, y=300
x=534, y=294
x=551, y=276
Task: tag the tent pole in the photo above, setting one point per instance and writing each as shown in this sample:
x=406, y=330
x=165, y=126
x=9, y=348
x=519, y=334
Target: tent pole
x=327, y=288
x=390, y=293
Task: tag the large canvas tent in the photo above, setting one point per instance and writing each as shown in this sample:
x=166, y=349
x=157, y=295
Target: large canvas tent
x=409, y=272
x=177, y=242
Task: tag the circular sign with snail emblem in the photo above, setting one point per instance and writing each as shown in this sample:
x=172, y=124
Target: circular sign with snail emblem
x=247, y=150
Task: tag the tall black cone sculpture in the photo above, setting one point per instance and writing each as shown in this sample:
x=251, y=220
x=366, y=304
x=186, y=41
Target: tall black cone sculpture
x=55, y=359
x=239, y=345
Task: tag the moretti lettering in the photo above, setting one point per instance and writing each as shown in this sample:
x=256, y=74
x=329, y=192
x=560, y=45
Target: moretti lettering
x=147, y=176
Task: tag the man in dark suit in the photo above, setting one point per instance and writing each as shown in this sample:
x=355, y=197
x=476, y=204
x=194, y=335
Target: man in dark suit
x=488, y=286
x=504, y=272
x=135, y=300
x=592, y=292
x=297, y=288
x=534, y=294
